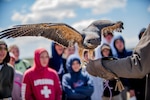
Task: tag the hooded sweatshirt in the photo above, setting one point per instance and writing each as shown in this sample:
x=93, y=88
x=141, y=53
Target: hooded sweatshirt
x=125, y=52
x=57, y=62
x=77, y=85
x=41, y=83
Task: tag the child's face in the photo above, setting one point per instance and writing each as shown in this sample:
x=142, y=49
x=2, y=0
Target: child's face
x=15, y=51
x=70, y=50
x=59, y=49
x=44, y=58
x=86, y=56
x=3, y=52
x=76, y=66
x=119, y=45
x=106, y=52
x=108, y=38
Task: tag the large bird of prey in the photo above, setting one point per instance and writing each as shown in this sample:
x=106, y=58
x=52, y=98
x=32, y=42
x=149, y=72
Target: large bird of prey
x=65, y=35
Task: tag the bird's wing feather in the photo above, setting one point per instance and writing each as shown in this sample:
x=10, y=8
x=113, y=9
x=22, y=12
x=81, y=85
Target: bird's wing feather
x=104, y=26
x=58, y=32
x=101, y=23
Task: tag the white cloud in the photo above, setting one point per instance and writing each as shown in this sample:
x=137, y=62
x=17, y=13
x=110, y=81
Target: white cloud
x=44, y=11
x=102, y=6
x=148, y=9
x=54, y=10
x=85, y=23
x=1, y=29
x=17, y=17
x=27, y=45
x=82, y=24
x=41, y=5
x=131, y=42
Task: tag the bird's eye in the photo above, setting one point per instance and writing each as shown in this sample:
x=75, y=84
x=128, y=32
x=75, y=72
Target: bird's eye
x=89, y=41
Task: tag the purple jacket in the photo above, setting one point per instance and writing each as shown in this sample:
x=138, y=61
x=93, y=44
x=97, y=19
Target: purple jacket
x=16, y=92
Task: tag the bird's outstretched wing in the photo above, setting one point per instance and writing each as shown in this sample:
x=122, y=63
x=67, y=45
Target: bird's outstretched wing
x=58, y=32
x=105, y=26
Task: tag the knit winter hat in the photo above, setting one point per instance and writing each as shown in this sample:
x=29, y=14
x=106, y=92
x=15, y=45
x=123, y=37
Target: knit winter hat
x=105, y=46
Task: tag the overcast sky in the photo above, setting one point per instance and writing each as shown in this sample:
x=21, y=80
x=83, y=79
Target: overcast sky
x=78, y=13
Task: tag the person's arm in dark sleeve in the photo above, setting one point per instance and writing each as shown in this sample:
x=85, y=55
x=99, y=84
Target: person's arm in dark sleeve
x=135, y=66
x=88, y=89
x=71, y=93
x=85, y=90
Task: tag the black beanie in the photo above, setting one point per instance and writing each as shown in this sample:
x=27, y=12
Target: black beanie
x=7, y=58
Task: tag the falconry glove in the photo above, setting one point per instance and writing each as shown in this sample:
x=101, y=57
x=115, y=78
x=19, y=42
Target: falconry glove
x=96, y=68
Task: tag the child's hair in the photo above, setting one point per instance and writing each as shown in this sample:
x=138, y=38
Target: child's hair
x=106, y=46
x=12, y=47
x=85, y=52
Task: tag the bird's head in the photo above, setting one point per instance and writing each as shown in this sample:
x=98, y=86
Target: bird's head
x=92, y=34
x=91, y=40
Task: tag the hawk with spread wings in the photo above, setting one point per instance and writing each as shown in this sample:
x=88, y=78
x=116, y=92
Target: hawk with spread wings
x=65, y=35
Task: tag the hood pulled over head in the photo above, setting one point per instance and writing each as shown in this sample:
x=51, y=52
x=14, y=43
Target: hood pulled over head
x=70, y=61
x=37, y=63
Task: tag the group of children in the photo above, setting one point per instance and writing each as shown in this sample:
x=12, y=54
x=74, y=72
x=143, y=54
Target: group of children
x=42, y=81
x=56, y=77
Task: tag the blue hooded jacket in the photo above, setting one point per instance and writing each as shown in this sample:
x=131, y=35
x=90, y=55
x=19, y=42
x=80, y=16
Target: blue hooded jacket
x=57, y=61
x=77, y=85
x=125, y=52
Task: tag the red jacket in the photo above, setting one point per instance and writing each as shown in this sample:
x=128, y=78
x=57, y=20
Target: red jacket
x=41, y=83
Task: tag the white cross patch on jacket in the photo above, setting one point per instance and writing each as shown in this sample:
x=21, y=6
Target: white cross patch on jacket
x=45, y=91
